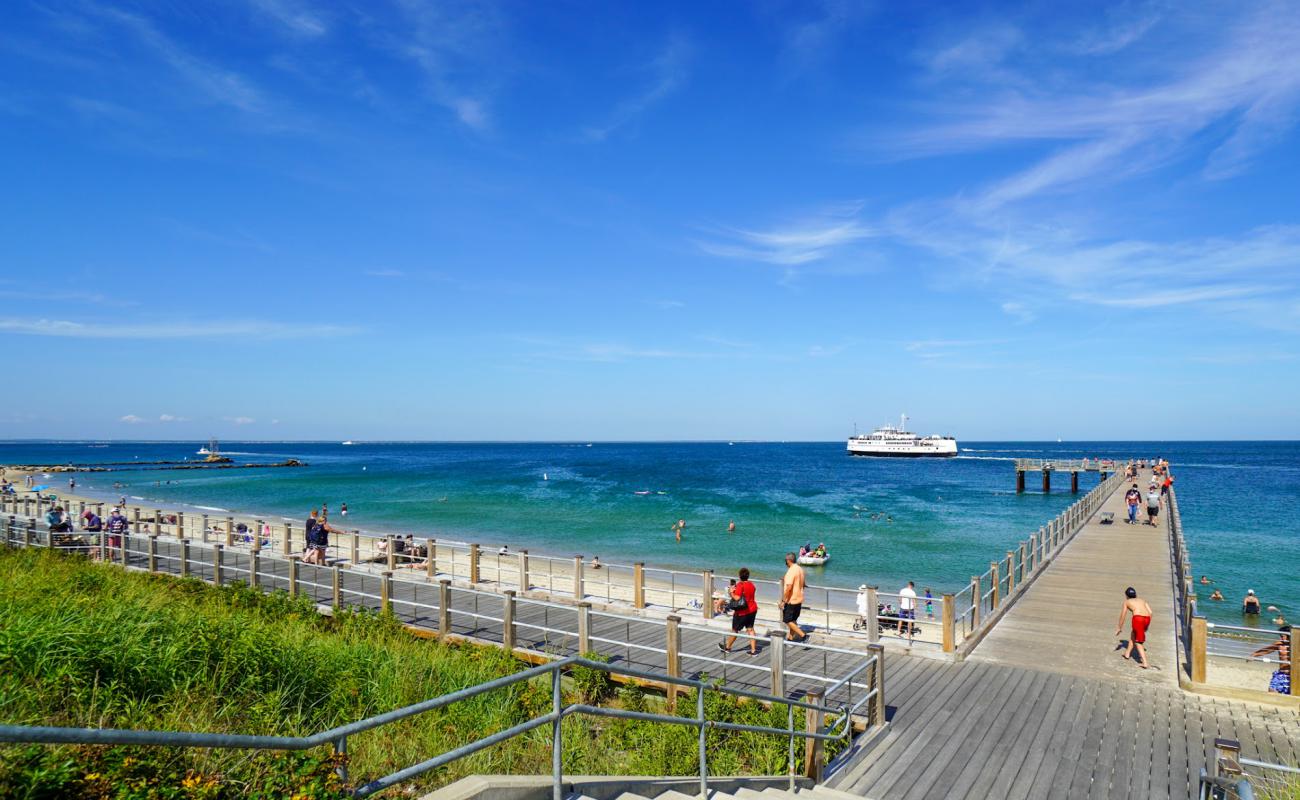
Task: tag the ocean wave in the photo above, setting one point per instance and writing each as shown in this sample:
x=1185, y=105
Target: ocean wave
x=985, y=458
x=213, y=508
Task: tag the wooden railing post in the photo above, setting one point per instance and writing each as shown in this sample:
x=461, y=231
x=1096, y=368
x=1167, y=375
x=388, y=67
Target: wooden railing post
x=525, y=580
x=949, y=624
x=185, y=557
x=776, y=656
x=444, y=607
x=508, y=633
x=673, y=645
x=579, y=590
x=977, y=600
x=706, y=594
x=997, y=585
x=430, y=559
x=230, y=531
x=153, y=553
x=473, y=564
x=204, y=534
x=294, y=561
x=1011, y=573
x=218, y=559
x=638, y=585
x=180, y=524
x=386, y=593
x=1023, y=575
x=157, y=522
x=256, y=546
x=814, y=718
x=254, y=566
x=873, y=614
x=354, y=549
x=584, y=629
x=1199, y=635
x=878, y=710
x=390, y=550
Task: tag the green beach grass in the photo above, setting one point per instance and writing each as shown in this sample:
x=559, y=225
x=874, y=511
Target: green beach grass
x=86, y=644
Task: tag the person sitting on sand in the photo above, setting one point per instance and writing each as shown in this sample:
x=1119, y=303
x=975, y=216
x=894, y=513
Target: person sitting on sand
x=595, y=562
x=1217, y=595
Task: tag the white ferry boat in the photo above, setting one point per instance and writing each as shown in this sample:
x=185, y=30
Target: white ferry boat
x=901, y=443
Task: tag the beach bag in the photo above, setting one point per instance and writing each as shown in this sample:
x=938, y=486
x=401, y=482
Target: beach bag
x=737, y=604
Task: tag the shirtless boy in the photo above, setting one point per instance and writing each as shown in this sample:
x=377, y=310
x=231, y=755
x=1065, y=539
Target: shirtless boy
x=1141, y=621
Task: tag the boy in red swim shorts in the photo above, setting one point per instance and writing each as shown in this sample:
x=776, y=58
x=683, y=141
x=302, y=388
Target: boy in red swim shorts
x=1141, y=621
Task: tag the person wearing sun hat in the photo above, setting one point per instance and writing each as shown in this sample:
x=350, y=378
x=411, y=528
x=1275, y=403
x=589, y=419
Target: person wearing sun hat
x=1250, y=603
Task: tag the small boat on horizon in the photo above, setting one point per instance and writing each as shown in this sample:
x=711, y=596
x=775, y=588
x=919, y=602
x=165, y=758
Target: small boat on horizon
x=211, y=450
x=349, y=441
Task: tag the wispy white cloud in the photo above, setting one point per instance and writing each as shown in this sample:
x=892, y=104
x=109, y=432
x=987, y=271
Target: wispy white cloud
x=456, y=48
x=810, y=39
x=791, y=244
x=1021, y=312
x=240, y=420
x=298, y=19
x=172, y=418
x=109, y=329
x=1248, y=85
x=131, y=419
x=212, y=82
x=1125, y=27
x=668, y=72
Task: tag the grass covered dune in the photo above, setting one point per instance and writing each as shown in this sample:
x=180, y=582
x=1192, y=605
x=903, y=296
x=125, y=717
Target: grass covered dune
x=89, y=645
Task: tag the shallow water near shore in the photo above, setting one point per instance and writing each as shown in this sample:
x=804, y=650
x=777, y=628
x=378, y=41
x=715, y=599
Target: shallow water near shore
x=884, y=520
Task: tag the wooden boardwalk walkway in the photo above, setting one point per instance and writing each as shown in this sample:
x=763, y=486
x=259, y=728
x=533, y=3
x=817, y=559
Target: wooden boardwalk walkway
x=1065, y=621
x=1045, y=707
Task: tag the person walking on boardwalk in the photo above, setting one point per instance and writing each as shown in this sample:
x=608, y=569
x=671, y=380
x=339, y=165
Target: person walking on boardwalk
x=1133, y=497
x=1141, y=612
x=792, y=586
x=744, y=609
x=1280, y=682
x=1153, y=505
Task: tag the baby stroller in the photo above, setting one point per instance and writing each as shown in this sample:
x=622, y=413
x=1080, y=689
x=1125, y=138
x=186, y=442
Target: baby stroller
x=886, y=618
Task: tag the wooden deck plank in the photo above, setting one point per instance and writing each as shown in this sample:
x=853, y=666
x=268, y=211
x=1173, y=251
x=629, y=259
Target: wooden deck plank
x=987, y=760
x=1037, y=747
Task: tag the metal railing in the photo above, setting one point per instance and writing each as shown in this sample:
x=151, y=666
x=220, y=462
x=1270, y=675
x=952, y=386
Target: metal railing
x=817, y=728
x=1231, y=777
x=1065, y=464
x=506, y=619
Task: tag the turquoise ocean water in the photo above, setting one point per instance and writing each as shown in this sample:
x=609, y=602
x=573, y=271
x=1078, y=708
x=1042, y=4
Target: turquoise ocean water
x=885, y=520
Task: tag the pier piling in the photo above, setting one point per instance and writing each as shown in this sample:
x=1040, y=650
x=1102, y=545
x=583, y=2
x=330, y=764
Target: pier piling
x=1074, y=481
x=1047, y=481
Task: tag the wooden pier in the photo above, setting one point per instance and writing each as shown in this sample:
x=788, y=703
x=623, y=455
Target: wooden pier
x=1045, y=707
x=1074, y=466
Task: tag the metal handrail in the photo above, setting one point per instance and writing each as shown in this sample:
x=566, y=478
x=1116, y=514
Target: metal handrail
x=338, y=736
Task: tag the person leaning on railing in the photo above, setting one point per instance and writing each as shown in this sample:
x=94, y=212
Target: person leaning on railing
x=1280, y=682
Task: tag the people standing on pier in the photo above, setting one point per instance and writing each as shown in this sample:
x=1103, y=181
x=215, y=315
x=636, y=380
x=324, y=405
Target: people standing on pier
x=792, y=587
x=744, y=610
x=1141, y=612
x=1153, y=505
x=1133, y=497
x=1280, y=682
x=906, y=607
x=309, y=531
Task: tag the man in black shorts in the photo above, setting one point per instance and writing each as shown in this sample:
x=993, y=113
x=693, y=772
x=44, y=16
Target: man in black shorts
x=792, y=587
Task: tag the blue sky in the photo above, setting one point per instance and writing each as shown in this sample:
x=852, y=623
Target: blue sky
x=277, y=219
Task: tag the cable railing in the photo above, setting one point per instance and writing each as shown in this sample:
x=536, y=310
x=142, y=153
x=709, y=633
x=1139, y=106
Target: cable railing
x=951, y=620
x=831, y=609
x=506, y=619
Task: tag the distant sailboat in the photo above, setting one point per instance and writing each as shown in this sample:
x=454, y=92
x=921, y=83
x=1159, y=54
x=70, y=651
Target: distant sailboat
x=349, y=441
